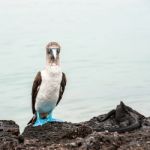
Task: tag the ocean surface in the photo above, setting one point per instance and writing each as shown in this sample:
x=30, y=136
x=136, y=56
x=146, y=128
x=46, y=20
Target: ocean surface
x=105, y=55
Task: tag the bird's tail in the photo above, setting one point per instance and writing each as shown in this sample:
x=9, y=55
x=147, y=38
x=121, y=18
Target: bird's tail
x=33, y=120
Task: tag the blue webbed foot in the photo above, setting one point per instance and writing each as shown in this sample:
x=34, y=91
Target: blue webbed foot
x=49, y=118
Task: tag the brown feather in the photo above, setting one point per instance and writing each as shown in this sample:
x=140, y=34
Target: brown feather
x=62, y=87
x=35, y=89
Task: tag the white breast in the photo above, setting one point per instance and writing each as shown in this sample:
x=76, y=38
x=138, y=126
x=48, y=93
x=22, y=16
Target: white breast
x=48, y=94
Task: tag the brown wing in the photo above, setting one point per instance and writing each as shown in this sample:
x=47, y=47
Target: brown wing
x=62, y=87
x=35, y=89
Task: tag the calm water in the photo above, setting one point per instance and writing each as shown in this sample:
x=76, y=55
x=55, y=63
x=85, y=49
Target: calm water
x=105, y=55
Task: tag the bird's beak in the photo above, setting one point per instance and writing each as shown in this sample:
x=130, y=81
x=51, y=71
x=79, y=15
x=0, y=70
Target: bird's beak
x=54, y=53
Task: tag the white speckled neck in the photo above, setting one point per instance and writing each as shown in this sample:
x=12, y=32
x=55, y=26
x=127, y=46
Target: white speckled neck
x=53, y=69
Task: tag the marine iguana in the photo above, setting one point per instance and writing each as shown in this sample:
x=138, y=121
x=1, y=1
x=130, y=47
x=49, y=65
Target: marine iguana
x=125, y=117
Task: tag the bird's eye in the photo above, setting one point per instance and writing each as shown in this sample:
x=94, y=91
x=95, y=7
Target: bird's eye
x=58, y=50
x=49, y=51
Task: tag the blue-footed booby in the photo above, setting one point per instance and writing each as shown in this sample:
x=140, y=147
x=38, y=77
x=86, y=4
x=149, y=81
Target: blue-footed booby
x=48, y=87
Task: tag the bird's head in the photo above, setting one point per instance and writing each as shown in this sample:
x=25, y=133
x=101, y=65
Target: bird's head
x=52, y=53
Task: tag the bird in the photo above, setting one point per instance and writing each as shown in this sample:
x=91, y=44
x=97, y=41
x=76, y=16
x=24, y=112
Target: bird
x=48, y=87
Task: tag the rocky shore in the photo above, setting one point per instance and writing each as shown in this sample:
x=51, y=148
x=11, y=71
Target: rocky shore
x=121, y=129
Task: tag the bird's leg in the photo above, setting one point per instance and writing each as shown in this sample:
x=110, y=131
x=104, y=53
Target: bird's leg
x=38, y=120
x=49, y=117
x=38, y=116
